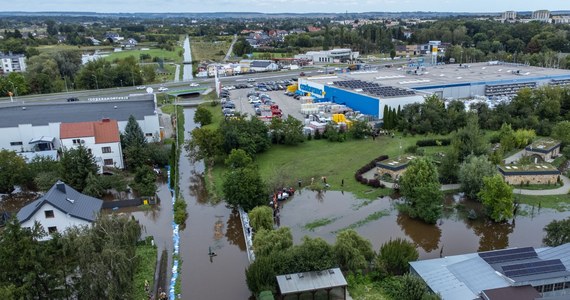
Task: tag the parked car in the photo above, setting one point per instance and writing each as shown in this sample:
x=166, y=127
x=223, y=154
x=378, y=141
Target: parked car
x=302, y=74
x=250, y=79
x=72, y=99
x=194, y=84
x=162, y=89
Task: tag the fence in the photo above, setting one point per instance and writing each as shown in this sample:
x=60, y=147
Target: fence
x=130, y=202
x=108, y=98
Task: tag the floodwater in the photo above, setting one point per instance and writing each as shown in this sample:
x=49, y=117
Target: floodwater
x=454, y=234
x=187, y=71
x=209, y=226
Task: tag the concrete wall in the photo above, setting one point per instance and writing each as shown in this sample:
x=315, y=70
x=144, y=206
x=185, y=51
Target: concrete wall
x=116, y=153
x=394, y=174
x=61, y=220
x=150, y=127
x=25, y=133
x=545, y=156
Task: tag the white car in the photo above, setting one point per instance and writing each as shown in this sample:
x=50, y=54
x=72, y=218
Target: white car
x=320, y=71
x=162, y=89
x=251, y=80
x=194, y=84
x=141, y=87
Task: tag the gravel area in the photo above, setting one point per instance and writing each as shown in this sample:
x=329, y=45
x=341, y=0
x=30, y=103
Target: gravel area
x=289, y=105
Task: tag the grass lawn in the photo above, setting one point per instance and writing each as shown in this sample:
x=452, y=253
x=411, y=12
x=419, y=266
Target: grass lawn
x=259, y=55
x=557, y=202
x=535, y=187
x=319, y=223
x=61, y=47
x=372, y=217
x=558, y=161
x=207, y=50
x=146, y=255
x=168, y=56
x=364, y=288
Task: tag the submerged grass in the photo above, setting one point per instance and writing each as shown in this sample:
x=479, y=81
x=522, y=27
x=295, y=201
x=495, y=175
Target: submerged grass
x=319, y=223
x=372, y=217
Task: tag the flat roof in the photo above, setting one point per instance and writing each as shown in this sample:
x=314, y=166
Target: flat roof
x=400, y=161
x=310, y=281
x=535, y=168
x=450, y=75
x=526, y=292
x=72, y=112
x=543, y=144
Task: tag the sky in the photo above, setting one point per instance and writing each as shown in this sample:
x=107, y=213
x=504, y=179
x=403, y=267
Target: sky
x=278, y=6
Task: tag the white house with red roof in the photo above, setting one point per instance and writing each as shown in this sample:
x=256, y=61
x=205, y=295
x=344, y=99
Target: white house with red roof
x=101, y=138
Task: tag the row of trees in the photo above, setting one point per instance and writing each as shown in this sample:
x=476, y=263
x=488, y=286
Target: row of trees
x=77, y=263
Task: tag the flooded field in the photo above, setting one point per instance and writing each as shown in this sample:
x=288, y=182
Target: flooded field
x=380, y=221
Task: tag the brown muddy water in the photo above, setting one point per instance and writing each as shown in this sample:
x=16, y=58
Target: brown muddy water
x=454, y=234
x=209, y=226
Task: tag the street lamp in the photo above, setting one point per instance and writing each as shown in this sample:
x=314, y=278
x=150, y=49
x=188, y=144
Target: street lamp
x=96, y=82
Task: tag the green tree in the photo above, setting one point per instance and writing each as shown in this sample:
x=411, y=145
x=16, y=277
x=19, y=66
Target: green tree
x=145, y=181
x=260, y=275
x=244, y=187
x=420, y=188
x=497, y=196
x=76, y=165
x=93, y=186
x=561, y=131
x=557, y=233
x=395, y=256
x=268, y=242
x=238, y=159
x=133, y=136
x=353, y=252
x=507, y=136
x=469, y=139
x=12, y=170
x=313, y=254
x=410, y=287
x=471, y=174
x=203, y=116
x=205, y=144
x=292, y=131
x=261, y=217
x=359, y=129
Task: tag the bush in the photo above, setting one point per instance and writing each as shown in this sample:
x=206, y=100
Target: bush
x=396, y=254
x=369, y=166
x=180, y=213
x=411, y=149
x=433, y=142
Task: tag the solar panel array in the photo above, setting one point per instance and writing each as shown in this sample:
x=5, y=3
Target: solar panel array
x=501, y=256
x=534, y=268
x=374, y=88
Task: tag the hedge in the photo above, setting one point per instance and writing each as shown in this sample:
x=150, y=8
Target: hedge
x=369, y=166
x=433, y=142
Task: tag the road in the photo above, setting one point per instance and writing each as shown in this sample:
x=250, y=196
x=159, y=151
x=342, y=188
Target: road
x=231, y=48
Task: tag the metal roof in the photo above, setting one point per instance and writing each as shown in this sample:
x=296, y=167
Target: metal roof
x=67, y=200
x=526, y=292
x=43, y=114
x=310, y=281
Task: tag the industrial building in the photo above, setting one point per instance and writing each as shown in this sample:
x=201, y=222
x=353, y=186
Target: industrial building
x=329, y=56
x=369, y=91
x=519, y=273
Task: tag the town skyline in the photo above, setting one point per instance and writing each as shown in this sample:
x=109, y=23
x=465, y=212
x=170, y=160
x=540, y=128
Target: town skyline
x=283, y=6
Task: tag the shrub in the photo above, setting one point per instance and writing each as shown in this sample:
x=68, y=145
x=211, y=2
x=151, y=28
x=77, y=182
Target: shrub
x=433, y=142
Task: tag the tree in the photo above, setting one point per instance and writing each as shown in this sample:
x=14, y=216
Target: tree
x=76, y=165
x=12, y=170
x=420, y=188
x=244, y=187
x=260, y=275
x=261, y=217
x=395, y=256
x=93, y=186
x=133, y=136
x=469, y=139
x=507, y=137
x=292, y=131
x=268, y=242
x=313, y=254
x=353, y=252
x=145, y=181
x=204, y=144
x=238, y=159
x=561, y=131
x=557, y=233
x=202, y=116
x=497, y=196
x=471, y=174
x=360, y=129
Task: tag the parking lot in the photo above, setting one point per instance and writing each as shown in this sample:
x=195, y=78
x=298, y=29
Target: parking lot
x=287, y=104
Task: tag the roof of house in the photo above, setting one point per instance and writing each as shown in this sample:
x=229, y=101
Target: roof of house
x=310, y=281
x=543, y=145
x=526, y=292
x=71, y=112
x=395, y=164
x=465, y=276
x=260, y=64
x=67, y=200
x=104, y=131
x=530, y=169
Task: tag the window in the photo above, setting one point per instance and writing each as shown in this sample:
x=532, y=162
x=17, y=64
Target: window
x=538, y=288
x=49, y=214
x=559, y=286
x=106, y=149
x=76, y=141
x=148, y=134
x=16, y=143
x=89, y=151
x=548, y=288
x=52, y=229
x=108, y=162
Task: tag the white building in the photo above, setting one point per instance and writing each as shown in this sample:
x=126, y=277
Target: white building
x=541, y=15
x=561, y=19
x=330, y=56
x=60, y=208
x=263, y=66
x=12, y=63
x=36, y=127
x=509, y=15
x=101, y=138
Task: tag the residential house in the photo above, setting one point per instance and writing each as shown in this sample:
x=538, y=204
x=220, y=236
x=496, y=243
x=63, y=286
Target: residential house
x=12, y=63
x=129, y=43
x=60, y=208
x=499, y=274
x=113, y=37
x=263, y=66
x=101, y=139
x=94, y=41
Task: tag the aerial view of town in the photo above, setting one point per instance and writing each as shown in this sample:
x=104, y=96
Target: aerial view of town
x=285, y=150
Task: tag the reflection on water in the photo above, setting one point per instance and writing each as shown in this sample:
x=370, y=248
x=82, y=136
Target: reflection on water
x=493, y=235
x=234, y=232
x=424, y=235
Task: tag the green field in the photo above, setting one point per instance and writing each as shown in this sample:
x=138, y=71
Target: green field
x=146, y=256
x=60, y=47
x=270, y=55
x=557, y=202
x=168, y=56
x=203, y=50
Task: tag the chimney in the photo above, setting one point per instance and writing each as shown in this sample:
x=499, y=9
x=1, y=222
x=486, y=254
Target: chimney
x=60, y=186
x=106, y=120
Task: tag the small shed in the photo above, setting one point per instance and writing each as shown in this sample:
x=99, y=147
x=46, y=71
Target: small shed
x=394, y=167
x=291, y=285
x=532, y=174
x=547, y=149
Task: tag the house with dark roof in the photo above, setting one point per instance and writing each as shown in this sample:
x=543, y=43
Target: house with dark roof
x=60, y=208
x=545, y=149
x=517, y=273
x=263, y=66
x=100, y=138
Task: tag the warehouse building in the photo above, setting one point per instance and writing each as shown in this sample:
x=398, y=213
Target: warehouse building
x=369, y=91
